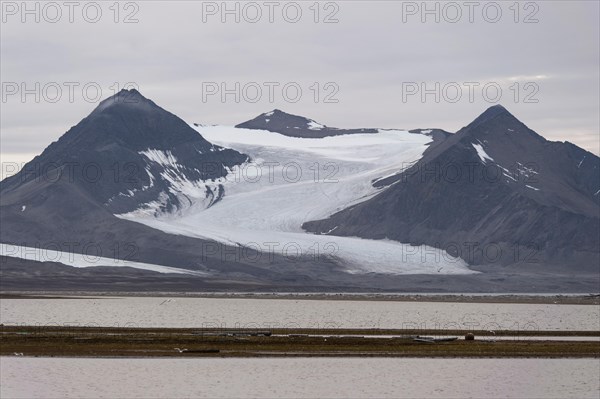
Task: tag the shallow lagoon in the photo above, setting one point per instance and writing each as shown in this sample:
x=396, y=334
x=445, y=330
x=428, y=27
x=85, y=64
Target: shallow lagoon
x=298, y=378
x=292, y=313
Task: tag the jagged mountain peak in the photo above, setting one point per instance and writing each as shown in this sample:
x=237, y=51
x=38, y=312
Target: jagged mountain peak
x=277, y=113
x=496, y=124
x=126, y=98
x=279, y=119
x=128, y=119
x=281, y=122
x=491, y=113
x=144, y=155
x=495, y=182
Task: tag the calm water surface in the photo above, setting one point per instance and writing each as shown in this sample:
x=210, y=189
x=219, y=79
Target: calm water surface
x=298, y=378
x=265, y=313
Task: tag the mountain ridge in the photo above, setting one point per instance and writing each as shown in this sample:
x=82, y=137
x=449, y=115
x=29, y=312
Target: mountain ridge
x=534, y=200
x=129, y=151
x=281, y=122
x=510, y=188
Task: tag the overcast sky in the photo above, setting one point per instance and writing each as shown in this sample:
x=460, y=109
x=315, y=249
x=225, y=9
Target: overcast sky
x=367, y=61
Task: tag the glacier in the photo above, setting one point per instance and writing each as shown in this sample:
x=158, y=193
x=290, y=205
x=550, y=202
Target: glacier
x=289, y=181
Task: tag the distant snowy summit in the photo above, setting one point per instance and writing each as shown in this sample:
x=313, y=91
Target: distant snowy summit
x=281, y=122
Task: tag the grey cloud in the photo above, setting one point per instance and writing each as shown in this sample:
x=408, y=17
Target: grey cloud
x=368, y=54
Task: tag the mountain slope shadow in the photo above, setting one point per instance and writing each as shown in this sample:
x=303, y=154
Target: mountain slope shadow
x=495, y=193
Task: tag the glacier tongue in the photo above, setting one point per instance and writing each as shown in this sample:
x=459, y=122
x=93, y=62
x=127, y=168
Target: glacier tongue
x=293, y=180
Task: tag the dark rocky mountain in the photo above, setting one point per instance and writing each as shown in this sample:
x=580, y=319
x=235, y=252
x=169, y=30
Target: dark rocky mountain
x=128, y=152
x=495, y=193
x=113, y=161
x=296, y=126
x=56, y=202
x=543, y=194
x=436, y=134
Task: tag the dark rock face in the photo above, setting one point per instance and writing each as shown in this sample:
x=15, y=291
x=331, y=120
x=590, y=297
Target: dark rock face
x=57, y=203
x=438, y=136
x=296, y=126
x=495, y=185
x=128, y=152
x=495, y=193
x=65, y=199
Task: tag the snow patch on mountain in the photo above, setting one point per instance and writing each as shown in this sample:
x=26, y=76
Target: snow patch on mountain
x=312, y=125
x=164, y=158
x=80, y=260
x=189, y=192
x=481, y=153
